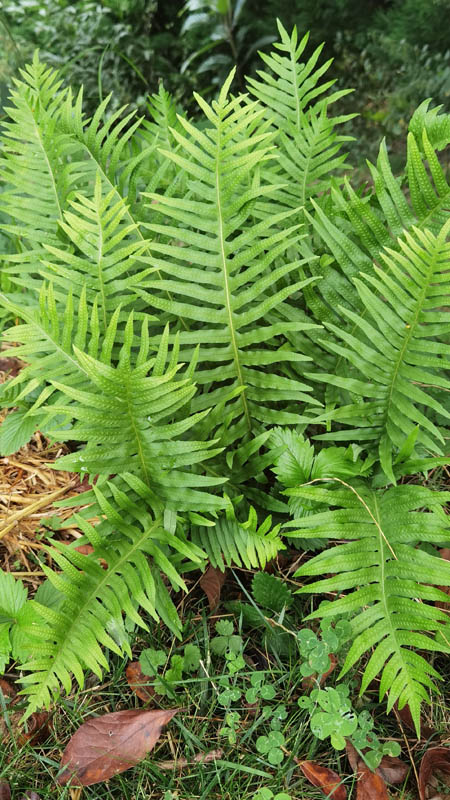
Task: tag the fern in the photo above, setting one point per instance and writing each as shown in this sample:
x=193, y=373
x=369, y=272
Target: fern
x=244, y=544
x=127, y=420
x=69, y=639
x=397, y=350
x=361, y=227
x=228, y=290
x=166, y=276
x=34, y=154
x=298, y=103
x=387, y=575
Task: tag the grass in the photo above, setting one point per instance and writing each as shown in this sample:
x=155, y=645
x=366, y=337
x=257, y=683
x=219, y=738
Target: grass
x=240, y=770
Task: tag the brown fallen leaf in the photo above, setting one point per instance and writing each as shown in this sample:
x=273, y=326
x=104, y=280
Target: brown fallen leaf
x=137, y=680
x=112, y=743
x=7, y=688
x=370, y=786
x=406, y=718
x=325, y=779
x=211, y=582
x=434, y=768
x=391, y=769
x=38, y=728
x=199, y=758
x=5, y=790
x=311, y=681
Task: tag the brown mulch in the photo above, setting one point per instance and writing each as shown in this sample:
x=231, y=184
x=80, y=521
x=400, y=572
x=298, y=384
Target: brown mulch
x=28, y=489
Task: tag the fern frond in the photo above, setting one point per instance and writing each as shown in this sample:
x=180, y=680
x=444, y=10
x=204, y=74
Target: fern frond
x=397, y=353
x=229, y=541
x=33, y=165
x=70, y=639
x=386, y=577
x=101, y=256
x=221, y=272
x=298, y=102
x=46, y=337
x=131, y=423
x=380, y=219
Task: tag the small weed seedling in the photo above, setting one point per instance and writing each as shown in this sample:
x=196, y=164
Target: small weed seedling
x=167, y=682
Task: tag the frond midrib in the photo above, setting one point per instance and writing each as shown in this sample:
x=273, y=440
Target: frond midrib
x=227, y=292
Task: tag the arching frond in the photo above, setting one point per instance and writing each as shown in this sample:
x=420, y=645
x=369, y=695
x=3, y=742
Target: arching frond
x=130, y=422
x=298, y=103
x=397, y=354
x=247, y=544
x=361, y=226
x=33, y=165
x=69, y=639
x=382, y=579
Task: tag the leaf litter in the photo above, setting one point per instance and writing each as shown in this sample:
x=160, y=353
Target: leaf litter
x=105, y=746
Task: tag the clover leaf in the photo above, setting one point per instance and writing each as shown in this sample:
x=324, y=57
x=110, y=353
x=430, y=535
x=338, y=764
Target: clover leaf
x=270, y=746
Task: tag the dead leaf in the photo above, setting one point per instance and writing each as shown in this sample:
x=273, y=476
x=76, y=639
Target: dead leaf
x=392, y=770
x=211, y=582
x=39, y=726
x=7, y=688
x=37, y=729
x=112, y=743
x=434, y=767
x=326, y=779
x=311, y=681
x=406, y=717
x=371, y=785
x=137, y=680
x=5, y=791
x=199, y=758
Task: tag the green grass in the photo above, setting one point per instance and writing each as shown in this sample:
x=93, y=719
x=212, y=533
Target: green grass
x=241, y=770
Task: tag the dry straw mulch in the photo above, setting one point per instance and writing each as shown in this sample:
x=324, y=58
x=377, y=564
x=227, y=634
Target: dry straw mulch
x=28, y=489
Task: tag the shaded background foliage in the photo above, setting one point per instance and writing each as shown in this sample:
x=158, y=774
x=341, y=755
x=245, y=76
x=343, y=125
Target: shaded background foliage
x=395, y=53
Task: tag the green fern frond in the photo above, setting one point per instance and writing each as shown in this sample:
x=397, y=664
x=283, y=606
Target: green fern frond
x=397, y=353
x=70, y=639
x=298, y=101
x=33, y=165
x=46, y=344
x=131, y=423
x=101, y=254
x=229, y=541
x=361, y=227
x=386, y=578
x=222, y=273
